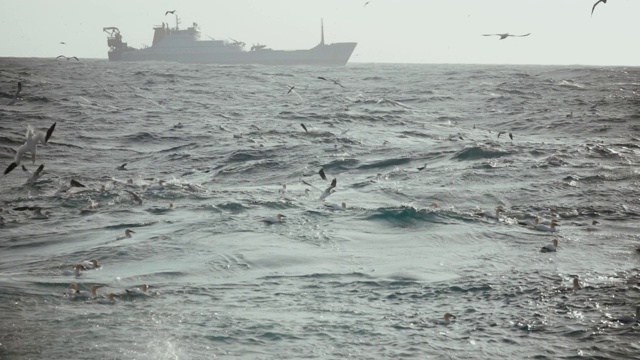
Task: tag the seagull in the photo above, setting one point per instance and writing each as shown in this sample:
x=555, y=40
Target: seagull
x=170, y=12
x=322, y=175
x=596, y=4
x=138, y=290
x=576, y=284
x=304, y=127
x=74, y=183
x=109, y=300
x=68, y=58
x=492, y=215
x=135, y=197
x=420, y=168
x=504, y=132
x=328, y=191
x=76, y=271
x=90, y=264
x=35, y=175
x=447, y=319
x=63, y=43
x=367, y=3
x=342, y=206
x=127, y=234
x=15, y=96
x=85, y=294
x=30, y=145
x=122, y=167
x=550, y=247
x=332, y=80
x=506, y=35
x=550, y=228
x=626, y=319
x=291, y=87
x=273, y=220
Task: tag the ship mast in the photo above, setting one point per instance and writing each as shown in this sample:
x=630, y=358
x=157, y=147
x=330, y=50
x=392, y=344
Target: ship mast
x=321, y=32
x=177, y=22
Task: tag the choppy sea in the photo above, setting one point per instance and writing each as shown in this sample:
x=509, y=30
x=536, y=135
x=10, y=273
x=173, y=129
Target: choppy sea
x=211, y=151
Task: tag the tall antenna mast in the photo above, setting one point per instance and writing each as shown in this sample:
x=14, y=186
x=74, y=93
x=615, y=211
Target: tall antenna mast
x=321, y=32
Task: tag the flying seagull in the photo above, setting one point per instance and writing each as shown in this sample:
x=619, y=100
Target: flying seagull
x=504, y=132
x=596, y=4
x=170, y=12
x=367, y=3
x=291, y=87
x=332, y=80
x=30, y=145
x=304, y=127
x=506, y=35
x=67, y=57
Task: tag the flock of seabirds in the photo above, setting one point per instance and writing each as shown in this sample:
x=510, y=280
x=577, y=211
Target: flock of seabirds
x=545, y=221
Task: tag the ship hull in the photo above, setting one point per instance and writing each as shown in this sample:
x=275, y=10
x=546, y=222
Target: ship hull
x=336, y=54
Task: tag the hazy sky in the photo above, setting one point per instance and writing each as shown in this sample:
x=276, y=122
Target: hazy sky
x=392, y=31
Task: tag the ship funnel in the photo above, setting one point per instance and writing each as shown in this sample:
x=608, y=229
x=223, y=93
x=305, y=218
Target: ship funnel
x=321, y=32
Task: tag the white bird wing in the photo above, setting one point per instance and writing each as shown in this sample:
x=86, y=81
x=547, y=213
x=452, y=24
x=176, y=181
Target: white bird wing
x=313, y=186
x=327, y=191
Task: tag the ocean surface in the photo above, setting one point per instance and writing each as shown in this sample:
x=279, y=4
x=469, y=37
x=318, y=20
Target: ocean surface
x=371, y=281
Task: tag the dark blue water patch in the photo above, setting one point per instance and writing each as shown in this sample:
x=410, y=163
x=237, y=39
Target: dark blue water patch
x=403, y=216
x=475, y=153
x=141, y=137
x=339, y=165
x=385, y=163
x=233, y=207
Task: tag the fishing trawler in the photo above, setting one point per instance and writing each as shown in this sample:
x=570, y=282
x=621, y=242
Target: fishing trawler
x=184, y=45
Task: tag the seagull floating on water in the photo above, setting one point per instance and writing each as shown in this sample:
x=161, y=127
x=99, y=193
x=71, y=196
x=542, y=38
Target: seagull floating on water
x=550, y=247
x=492, y=215
x=122, y=167
x=30, y=145
x=108, y=300
x=446, y=319
x=542, y=227
x=342, y=206
x=76, y=270
x=127, y=234
x=275, y=219
x=84, y=293
x=90, y=264
x=506, y=35
x=576, y=284
x=626, y=319
x=138, y=290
